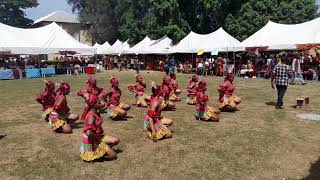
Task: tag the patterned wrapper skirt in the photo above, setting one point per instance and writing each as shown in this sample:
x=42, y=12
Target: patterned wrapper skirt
x=46, y=113
x=191, y=100
x=207, y=114
x=90, y=152
x=230, y=100
x=160, y=128
x=55, y=121
x=113, y=111
x=140, y=97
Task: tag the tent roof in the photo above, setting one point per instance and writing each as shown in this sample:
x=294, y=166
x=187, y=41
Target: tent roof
x=141, y=46
x=117, y=48
x=58, y=16
x=44, y=40
x=285, y=36
x=160, y=46
x=218, y=39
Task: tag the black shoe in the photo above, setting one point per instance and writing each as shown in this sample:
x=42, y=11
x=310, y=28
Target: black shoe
x=304, y=83
x=279, y=107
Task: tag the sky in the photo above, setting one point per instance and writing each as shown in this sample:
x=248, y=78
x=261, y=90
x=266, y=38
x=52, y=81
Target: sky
x=46, y=7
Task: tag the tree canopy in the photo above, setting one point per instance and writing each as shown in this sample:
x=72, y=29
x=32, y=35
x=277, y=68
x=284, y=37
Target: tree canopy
x=134, y=19
x=11, y=12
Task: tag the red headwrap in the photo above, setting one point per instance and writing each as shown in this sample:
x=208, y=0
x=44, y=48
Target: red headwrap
x=165, y=80
x=92, y=81
x=173, y=76
x=64, y=87
x=194, y=78
x=91, y=102
x=114, y=81
x=228, y=77
x=50, y=85
x=202, y=85
x=138, y=76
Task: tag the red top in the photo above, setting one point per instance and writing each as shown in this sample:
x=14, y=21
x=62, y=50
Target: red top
x=62, y=109
x=173, y=84
x=201, y=101
x=46, y=99
x=96, y=126
x=192, y=88
x=225, y=89
x=165, y=91
x=114, y=96
x=157, y=113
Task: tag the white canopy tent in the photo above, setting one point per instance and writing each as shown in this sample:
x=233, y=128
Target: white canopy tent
x=117, y=48
x=274, y=36
x=102, y=48
x=218, y=40
x=140, y=47
x=160, y=46
x=49, y=39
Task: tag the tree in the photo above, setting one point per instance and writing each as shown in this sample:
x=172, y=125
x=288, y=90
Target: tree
x=11, y=12
x=100, y=15
x=254, y=14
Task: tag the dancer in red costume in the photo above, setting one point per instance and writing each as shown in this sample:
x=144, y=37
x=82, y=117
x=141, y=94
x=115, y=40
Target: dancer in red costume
x=228, y=101
x=174, y=89
x=46, y=99
x=60, y=118
x=115, y=109
x=193, y=83
x=153, y=124
x=203, y=111
x=95, y=143
x=92, y=88
x=167, y=105
x=139, y=88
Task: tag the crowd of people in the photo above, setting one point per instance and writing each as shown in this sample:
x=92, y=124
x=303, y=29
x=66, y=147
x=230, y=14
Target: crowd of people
x=98, y=144
x=306, y=67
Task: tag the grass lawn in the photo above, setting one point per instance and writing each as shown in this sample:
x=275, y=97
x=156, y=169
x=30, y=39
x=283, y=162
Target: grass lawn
x=257, y=142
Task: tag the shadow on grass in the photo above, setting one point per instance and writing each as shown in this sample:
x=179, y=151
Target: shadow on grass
x=2, y=136
x=314, y=171
x=76, y=125
x=270, y=103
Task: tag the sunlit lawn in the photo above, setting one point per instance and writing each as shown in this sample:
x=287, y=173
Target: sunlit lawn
x=257, y=142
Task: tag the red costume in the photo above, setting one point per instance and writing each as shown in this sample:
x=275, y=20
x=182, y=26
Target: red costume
x=47, y=97
x=91, y=89
x=228, y=101
x=192, y=89
x=62, y=108
x=225, y=90
x=61, y=111
x=203, y=111
x=92, y=148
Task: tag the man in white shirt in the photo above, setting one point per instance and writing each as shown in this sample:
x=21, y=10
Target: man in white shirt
x=296, y=68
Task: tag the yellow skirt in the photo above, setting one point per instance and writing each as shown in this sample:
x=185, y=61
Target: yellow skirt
x=231, y=101
x=160, y=133
x=191, y=100
x=46, y=113
x=101, y=150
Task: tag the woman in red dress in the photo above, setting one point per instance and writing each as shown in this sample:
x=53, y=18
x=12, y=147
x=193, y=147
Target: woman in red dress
x=228, y=101
x=95, y=143
x=167, y=105
x=203, y=111
x=46, y=99
x=115, y=109
x=138, y=89
x=92, y=88
x=60, y=118
x=174, y=88
x=193, y=83
x=153, y=121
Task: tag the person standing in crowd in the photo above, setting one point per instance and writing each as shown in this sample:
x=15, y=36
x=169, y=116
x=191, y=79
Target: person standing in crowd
x=296, y=68
x=206, y=67
x=137, y=64
x=173, y=64
x=280, y=80
x=211, y=66
x=200, y=68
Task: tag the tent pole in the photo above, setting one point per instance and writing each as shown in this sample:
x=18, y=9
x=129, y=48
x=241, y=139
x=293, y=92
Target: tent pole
x=234, y=62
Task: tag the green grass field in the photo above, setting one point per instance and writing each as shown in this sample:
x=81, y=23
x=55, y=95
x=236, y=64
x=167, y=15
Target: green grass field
x=257, y=142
